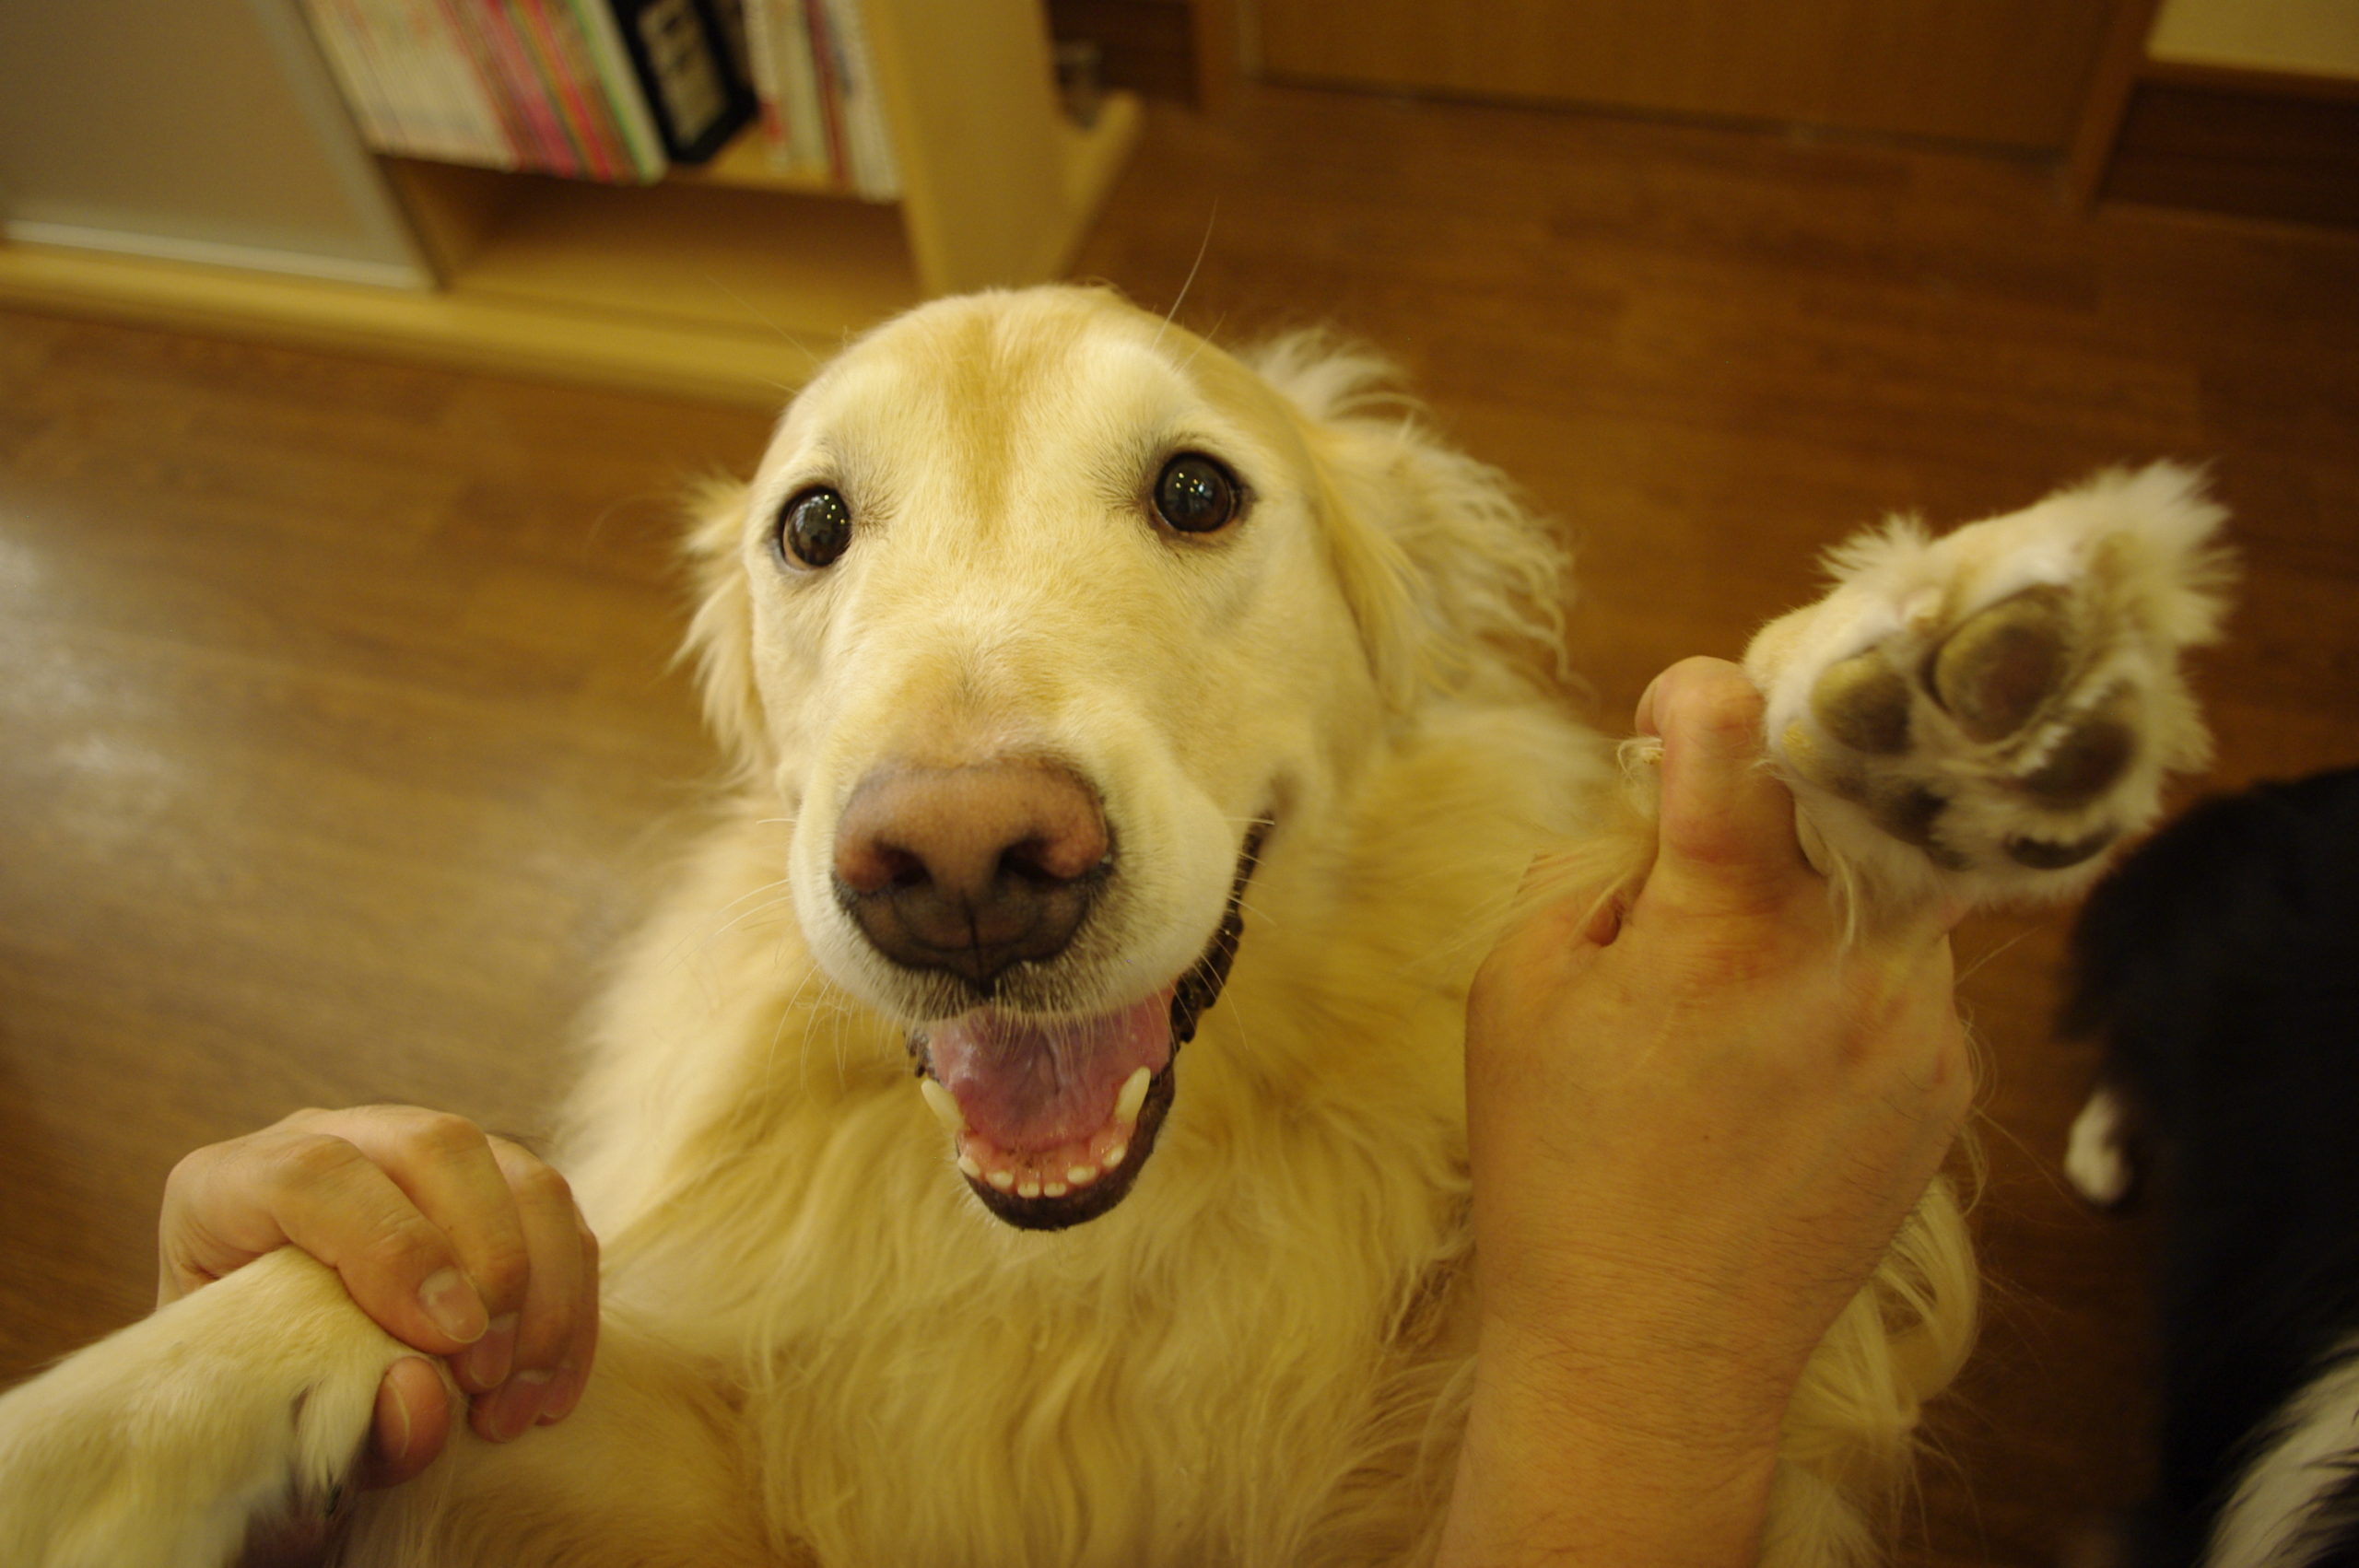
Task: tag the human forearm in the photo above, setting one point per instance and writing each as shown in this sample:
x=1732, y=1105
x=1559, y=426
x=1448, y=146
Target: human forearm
x=1572, y=1461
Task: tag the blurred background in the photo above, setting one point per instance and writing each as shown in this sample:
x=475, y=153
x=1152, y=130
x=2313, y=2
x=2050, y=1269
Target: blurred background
x=353, y=353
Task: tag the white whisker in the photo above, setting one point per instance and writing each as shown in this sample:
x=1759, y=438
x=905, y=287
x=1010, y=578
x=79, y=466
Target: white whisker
x=1202, y=246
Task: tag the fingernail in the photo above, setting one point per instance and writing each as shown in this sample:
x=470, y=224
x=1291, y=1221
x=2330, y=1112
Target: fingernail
x=453, y=1305
x=488, y=1361
x=400, y=1447
x=565, y=1393
x=1642, y=718
x=517, y=1405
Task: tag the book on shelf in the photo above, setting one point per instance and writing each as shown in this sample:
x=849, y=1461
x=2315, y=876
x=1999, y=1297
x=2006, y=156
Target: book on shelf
x=820, y=115
x=615, y=90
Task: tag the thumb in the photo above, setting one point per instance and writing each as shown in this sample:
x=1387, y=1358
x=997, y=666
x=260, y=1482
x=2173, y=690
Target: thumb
x=1725, y=829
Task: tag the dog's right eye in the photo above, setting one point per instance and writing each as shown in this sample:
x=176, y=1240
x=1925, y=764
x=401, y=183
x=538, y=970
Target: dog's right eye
x=1195, y=495
x=814, y=528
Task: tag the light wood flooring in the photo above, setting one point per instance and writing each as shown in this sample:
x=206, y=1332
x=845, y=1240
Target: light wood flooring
x=338, y=732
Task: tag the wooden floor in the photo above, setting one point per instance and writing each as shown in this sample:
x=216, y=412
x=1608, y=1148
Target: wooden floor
x=337, y=728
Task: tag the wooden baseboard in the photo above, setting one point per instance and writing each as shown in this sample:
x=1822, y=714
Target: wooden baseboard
x=2241, y=144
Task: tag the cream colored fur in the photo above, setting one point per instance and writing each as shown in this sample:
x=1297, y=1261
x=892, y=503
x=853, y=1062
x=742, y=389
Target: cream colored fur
x=820, y=1347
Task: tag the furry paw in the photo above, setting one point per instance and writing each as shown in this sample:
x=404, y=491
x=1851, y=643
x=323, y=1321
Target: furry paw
x=158, y=1446
x=2096, y=1156
x=1985, y=714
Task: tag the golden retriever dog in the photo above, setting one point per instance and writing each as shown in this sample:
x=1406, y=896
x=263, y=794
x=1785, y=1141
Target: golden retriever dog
x=1032, y=1129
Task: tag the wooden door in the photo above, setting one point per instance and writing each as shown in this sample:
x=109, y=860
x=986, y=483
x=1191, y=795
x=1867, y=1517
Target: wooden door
x=2005, y=72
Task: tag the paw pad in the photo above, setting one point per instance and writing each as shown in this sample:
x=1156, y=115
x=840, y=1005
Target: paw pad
x=1863, y=702
x=1927, y=734
x=1989, y=712
x=2089, y=757
x=2040, y=855
x=1994, y=673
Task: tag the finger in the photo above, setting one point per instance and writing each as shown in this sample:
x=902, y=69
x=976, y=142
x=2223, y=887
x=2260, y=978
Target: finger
x=1725, y=834
x=445, y=1164
x=319, y=1192
x=413, y=1422
x=573, y=1368
x=552, y=1298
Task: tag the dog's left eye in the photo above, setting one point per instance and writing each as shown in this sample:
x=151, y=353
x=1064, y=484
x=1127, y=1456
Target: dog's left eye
x=1195, y=495
x=814, y=528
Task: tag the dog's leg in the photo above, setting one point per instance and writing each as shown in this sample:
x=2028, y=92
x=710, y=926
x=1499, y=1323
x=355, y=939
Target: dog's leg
x=1981, y=717
x=653, y=1469
x=158, y=1446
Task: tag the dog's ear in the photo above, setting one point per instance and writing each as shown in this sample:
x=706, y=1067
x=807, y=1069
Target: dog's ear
x=1445, y=570
x=721, y=634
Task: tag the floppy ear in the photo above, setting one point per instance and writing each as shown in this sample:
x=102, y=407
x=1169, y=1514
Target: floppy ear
x=721, y=633
x=1452, y=579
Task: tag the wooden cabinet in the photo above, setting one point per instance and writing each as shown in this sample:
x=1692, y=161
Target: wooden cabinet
x=2005, y=72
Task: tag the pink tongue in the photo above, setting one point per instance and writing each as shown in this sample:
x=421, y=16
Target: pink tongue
x=1034, y=1083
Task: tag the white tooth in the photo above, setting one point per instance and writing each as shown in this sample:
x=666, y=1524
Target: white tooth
x=1113, y=1156
x=1028, y=1187
x=1002, y=1179
x=943, y=1105
x=1133, y=1095
x=1055, y=1188
x=966, y=1166
x=1082, y=1176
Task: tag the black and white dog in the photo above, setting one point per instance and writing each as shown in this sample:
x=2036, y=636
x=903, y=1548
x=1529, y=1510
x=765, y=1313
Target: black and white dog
x=2220, y=966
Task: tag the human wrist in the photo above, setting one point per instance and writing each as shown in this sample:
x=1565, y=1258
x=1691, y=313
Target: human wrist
x=1577, y=1459
x=1688, y=1398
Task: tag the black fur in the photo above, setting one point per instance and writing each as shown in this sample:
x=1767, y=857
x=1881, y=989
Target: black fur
x=2221, y=964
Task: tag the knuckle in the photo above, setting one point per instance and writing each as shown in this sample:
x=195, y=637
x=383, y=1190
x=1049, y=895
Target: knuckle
x=1714, y=699
x=441, y=1135
x=502, y=1269
x=540, y=1186
x=402, y=1242
x=195, y=1166
x=311, y=1160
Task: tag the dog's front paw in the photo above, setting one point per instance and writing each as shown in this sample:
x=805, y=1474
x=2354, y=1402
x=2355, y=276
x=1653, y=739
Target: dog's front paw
x=158, y=1446
x=1987, y=713
x=2098, y=1160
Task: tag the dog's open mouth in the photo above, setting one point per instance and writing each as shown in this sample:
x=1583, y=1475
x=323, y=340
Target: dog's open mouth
x=1054, y=1117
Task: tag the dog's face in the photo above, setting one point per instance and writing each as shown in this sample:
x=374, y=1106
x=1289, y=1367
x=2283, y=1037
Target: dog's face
x=1037, y=614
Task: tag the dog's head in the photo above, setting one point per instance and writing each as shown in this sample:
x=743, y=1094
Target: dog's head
x=1045, y=618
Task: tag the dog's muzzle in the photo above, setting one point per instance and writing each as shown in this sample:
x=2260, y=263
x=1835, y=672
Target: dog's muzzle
x=1050, y=1119
x=970, y=870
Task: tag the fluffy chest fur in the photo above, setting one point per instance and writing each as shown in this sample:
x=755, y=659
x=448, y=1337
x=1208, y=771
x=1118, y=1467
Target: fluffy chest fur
x=1256, y=1358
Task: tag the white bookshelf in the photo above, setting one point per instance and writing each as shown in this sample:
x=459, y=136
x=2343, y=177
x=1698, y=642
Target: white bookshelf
x=728, y=282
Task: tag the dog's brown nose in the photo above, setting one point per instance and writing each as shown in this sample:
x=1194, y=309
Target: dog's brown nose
x=970, y=870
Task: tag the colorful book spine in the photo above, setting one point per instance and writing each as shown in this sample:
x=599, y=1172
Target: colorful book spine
x=605, y=72
x=868, y=162
x=464, y=21
x=565, y=62
x=826, y=78
x=503, y=34
x=613, y=89
x=786, y=78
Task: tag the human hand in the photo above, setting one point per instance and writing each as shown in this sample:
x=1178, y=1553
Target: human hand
x=464, y=1245
x=1696, y=1123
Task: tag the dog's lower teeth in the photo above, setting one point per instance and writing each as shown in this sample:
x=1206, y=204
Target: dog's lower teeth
x=1133, y=1095
x=1002, y=1179
x=966, y=1167
x=1113, y=1156
x=1054, y=1189
x=1082, y=1176
x=1027, y=1187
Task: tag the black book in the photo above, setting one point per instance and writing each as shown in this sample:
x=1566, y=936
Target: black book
x=693, y=88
